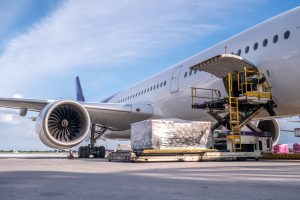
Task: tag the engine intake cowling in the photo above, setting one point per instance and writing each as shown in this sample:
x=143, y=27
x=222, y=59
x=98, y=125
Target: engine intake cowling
x=270, y=126
x=63, y=124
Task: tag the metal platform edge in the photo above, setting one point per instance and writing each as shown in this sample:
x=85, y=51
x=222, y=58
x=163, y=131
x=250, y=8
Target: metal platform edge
x=187, y=157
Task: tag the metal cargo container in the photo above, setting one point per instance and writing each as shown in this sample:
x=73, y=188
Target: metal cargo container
x=170, y=134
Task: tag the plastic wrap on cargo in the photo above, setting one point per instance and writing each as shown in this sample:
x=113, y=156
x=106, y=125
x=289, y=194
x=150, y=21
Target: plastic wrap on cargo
x=280, y=148
x=296, y=148
x=170, y=134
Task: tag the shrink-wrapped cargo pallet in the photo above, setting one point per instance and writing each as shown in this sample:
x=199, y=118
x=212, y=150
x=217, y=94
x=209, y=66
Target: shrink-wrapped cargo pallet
x=280, y=148
x=296, y=148
x=170, y=134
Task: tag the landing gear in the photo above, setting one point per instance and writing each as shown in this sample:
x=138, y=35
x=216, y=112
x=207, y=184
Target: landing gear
x=91, y=149
x=99, y=152
x=96, y=152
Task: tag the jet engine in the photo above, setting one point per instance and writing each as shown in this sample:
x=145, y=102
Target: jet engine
x=63, y=124
x=270, y=126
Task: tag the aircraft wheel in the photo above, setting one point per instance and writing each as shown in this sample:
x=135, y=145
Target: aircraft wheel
x=80, y=153
x=102, y=152
x=86, y=152
x=97, y=152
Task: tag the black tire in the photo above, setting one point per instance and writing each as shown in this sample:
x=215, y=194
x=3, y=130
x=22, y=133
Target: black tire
x=80, y=153
x=86, y=152
x=97, y=152
x=102, y=152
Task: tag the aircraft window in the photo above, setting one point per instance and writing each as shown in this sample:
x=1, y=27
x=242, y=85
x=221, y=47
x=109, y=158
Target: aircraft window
x=157, y=86
x=147, y=89
x=275, y=38
x=265, y=42
x=144, y=91
x=139, y=93
x=195, y=71
x=165, y=83
x=185, y=74
x=154, y=87
x=247, y=49
x=255, y=46
x=190, y=73
x=287, y=35
x=161, y=84
x=239, y=52
x=151, y=88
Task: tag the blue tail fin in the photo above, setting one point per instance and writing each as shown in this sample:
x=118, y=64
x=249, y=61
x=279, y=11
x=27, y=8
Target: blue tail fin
x=79, y=93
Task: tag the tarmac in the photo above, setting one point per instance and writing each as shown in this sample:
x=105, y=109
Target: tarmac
x=50, y=177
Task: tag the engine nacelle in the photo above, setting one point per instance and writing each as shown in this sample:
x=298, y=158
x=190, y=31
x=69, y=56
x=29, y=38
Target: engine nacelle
x=270, y=126
x=63, y=124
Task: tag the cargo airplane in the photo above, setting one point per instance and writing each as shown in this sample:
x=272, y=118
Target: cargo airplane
x=271, y=46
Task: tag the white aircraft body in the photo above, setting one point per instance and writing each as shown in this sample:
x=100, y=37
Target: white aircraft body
x=272, y=47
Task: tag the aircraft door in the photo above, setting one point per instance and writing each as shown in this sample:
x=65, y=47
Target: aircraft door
x=175, y=80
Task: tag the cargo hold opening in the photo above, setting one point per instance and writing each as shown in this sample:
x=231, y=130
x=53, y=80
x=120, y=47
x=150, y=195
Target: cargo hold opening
x=223, y=64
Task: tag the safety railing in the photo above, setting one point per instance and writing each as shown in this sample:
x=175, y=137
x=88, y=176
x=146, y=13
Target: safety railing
x=253, y=83
x=204, y=93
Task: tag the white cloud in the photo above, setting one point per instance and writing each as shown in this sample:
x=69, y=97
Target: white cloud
x=104, y=34
x=9, y=118
x=18, y=95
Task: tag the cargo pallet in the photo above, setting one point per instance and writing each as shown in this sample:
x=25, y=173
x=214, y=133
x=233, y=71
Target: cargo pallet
x=181, y=155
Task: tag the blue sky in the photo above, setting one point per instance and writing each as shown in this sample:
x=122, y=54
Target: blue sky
x=109, y=44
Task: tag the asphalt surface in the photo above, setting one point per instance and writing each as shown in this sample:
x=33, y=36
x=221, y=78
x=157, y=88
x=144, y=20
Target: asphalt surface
x=59, y=178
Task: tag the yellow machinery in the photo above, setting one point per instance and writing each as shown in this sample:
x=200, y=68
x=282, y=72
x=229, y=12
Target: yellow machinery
x=234, y=117
x=252, y=85
x=248, y=94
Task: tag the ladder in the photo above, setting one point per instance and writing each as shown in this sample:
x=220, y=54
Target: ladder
x=234, y=118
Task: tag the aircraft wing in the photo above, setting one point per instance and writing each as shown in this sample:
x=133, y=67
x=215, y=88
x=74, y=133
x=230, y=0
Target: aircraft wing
x=113, y=115
x=30, y=104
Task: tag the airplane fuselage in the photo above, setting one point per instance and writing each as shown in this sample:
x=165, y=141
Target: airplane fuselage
x=273, y=46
